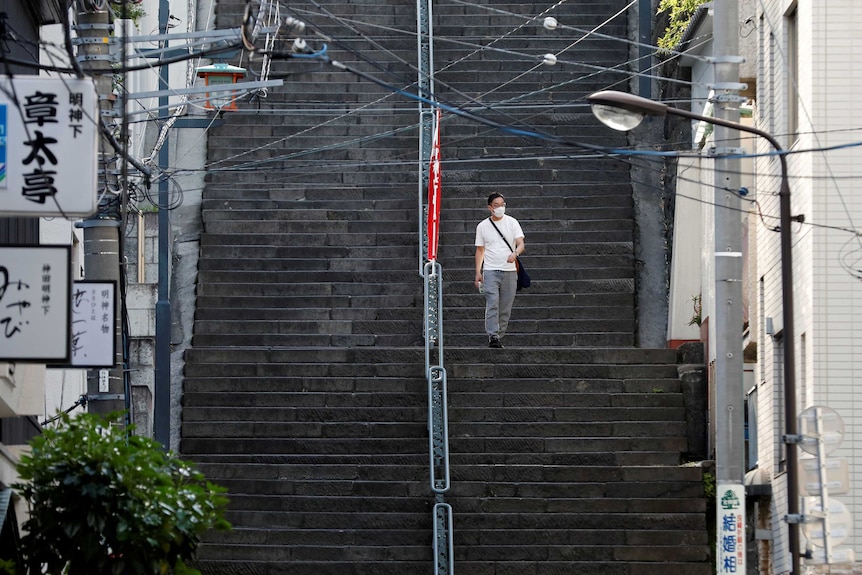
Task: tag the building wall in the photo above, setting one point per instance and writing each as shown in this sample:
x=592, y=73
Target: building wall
x=836, y=291
x=827, y=291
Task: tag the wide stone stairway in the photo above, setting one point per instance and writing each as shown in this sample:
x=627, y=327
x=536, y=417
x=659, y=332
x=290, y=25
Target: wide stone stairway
x=305, y=391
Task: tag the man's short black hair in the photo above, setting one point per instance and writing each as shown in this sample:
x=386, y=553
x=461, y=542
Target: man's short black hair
x=493, y=197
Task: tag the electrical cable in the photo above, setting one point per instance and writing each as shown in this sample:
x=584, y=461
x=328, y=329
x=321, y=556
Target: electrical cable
x=615, y=151
x=385, y=69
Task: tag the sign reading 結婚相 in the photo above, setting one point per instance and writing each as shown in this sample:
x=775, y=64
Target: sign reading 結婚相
x=49, y=140
x=730, y=529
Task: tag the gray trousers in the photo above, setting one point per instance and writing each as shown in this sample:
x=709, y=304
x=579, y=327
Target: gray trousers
x=500, y=288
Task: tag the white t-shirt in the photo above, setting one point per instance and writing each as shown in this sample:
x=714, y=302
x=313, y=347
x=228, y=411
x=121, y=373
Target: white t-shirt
x=496, y=250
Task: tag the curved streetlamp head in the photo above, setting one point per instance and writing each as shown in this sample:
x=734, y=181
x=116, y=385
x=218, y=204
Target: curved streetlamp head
x=622, y=111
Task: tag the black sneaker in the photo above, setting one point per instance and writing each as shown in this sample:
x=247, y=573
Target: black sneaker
x=495, y=342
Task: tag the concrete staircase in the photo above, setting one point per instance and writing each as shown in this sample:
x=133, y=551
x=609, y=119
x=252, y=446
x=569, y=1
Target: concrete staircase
x=304, y=390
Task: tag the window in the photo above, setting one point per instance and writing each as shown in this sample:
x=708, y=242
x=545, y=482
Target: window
x=792, y=80
x=751, y=429
x=778, y=403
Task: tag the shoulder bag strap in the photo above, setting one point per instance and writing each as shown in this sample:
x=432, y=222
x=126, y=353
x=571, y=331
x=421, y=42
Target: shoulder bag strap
x=501, y=234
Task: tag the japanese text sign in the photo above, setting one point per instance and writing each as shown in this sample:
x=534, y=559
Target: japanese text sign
x=730, y=528
x=35, y=298
x=49, y=140
x=94, y=312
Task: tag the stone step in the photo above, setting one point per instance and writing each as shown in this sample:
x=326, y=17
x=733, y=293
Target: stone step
x=471, y=214
x=381, y=327
x=383, y=193
x=538, y=403
x=583, y=557
x=251, y=465
x=357, y=273
x=509, y=430
x=467, y=208
x=403, y=262
x=479, y=368
x=287, y=412
x=465, y=300
x=571, y=287
x=347, y=313
x=364, y=499
x=218, y=385
x=579, y=340
x=606, y=358
x=392, y=566
x=417, y=447
x=312, y=288
x=616, y=231
x=328, y=255
x=487, y=521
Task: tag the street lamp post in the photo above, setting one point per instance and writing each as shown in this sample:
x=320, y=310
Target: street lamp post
x=624, y=112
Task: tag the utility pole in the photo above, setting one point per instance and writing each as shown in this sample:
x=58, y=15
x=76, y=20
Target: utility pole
x=106, y=389
x=162, y=389
x=727, y=316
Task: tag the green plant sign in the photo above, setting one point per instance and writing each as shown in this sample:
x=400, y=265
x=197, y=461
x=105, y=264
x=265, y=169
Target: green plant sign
x=105, y=502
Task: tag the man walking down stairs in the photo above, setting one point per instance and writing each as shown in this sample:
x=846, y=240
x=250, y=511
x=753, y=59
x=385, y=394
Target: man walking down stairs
x=305, y=391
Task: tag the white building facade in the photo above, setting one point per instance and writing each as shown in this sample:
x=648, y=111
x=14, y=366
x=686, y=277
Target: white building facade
x=805, y=91
x=803, y=81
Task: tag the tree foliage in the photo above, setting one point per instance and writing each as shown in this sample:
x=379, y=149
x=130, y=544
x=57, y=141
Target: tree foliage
x=106, y=502
x=679, y=14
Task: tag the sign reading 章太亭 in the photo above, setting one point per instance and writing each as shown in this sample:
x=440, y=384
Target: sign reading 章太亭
x=49, y=140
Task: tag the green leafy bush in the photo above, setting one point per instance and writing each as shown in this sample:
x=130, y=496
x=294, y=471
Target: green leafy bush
x=103, y=501
x=679, y=14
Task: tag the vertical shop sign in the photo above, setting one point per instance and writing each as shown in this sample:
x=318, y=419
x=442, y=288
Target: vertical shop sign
x=50, y=133
x=730, y=529
x=94, y=307
x=35, y=292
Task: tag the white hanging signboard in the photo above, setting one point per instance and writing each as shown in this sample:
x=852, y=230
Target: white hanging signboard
x=94, y=309
x=35, y=303
x=49, y=140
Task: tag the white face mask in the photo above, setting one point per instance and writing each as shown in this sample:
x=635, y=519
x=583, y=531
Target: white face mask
x=498, y=212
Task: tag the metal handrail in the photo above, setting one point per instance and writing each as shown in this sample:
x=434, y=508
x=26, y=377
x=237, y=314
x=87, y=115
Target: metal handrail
x=438, y=430
x=433, y=320
x=444, y=559
x=432, y=273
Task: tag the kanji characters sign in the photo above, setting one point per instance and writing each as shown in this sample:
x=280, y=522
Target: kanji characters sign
x=94, y=309
x=49, y=139
x=35, y=303
x=730, y=529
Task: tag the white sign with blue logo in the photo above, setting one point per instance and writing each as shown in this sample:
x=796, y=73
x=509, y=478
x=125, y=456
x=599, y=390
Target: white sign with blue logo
x=730, y=528
x=49, y=140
